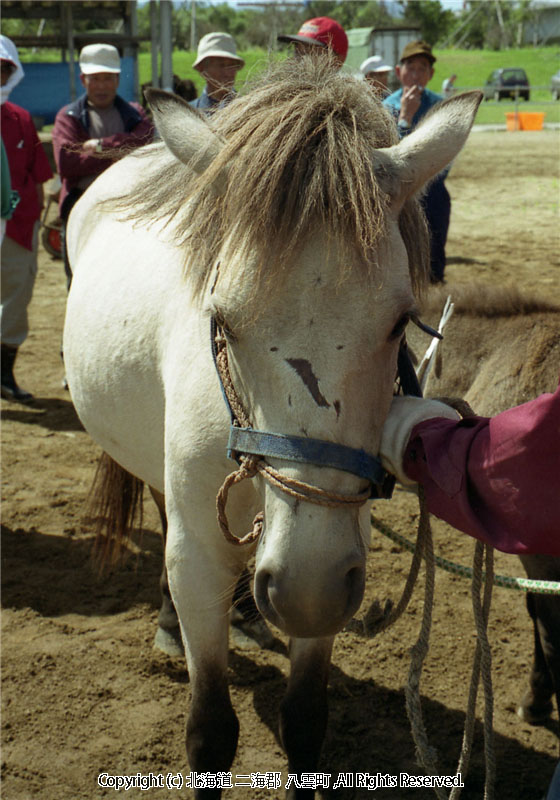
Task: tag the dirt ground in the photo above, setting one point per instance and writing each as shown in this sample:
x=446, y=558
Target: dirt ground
x=83, y=691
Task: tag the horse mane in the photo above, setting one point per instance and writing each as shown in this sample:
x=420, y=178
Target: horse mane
x=297, y=152
x=478, y=300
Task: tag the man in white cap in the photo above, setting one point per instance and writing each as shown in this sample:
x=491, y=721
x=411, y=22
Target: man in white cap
x=90, y=133
x=218, y=62
x=376, y=74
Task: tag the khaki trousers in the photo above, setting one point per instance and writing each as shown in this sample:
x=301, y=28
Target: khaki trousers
x=18, y=273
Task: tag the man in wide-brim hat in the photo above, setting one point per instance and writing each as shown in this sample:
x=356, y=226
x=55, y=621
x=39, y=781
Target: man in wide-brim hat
x=218, y=62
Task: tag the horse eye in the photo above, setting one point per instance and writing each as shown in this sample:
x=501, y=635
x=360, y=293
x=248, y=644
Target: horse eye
x=224, y=327
x=399, y=328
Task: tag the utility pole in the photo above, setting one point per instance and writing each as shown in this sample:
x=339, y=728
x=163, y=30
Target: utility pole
x=503, y=37
x=193, y=26
x=274, y=25
x=166, y=39
x=69, y=22
x=154, y=33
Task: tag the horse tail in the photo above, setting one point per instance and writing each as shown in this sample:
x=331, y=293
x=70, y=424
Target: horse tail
x=115, y=504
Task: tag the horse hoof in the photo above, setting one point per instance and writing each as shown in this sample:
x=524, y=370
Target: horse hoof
x=169, y=642
x=532, y=712
x=251, y=634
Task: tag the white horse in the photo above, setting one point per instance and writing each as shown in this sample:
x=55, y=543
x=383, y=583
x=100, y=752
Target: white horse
x=290, y=221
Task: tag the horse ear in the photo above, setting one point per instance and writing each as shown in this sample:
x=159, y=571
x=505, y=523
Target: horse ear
x=185, y=132
x=404, y=168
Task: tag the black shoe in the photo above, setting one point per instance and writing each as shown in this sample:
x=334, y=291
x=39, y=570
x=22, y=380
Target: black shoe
x=13, y=392
x=9, y=387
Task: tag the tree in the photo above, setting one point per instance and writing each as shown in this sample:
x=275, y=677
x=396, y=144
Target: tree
x=357, y=14
x=435, y=22
x=494, y=24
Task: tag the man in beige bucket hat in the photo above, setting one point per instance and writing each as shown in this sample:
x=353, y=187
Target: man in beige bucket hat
x=218, y=62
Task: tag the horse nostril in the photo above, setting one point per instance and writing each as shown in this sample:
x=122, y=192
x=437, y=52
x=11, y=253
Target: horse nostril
x=354, y=574
x=355, y=585
x=263, y=584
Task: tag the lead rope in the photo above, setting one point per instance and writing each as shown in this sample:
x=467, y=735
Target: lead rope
x=251, y=465
x=482, y=660
x=376, y=620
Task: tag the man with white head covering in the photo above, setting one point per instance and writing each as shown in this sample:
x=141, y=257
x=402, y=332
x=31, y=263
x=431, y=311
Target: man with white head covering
x=92, y=132
x=29, y=169
x=218, y=62
x=376, y=74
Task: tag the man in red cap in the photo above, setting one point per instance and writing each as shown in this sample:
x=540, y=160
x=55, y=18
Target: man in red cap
x=319, y=33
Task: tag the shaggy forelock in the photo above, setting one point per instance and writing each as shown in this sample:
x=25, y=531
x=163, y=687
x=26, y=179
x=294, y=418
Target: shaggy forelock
x=297, y=152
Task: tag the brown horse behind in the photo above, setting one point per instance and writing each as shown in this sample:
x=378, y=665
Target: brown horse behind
x=501, y=348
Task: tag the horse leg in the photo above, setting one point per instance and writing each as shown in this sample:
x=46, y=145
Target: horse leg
x=244, y=615
x=202, y=576
x=212, y=726
x=304, y=710
x=168, y=634
x=536, y=705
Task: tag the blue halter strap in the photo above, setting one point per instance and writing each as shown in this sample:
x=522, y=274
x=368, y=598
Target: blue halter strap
x=305, y=450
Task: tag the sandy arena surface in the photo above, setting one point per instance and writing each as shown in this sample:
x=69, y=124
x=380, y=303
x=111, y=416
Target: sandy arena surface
x=83, y=691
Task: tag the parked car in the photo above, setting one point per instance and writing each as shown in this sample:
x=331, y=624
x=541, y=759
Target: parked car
x=555, y=86
x=507, y=83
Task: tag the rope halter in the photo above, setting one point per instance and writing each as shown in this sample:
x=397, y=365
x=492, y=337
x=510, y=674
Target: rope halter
x=248, y=447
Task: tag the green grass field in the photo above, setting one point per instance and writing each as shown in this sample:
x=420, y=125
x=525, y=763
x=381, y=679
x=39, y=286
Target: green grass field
x=255, y=61
x=472, y=68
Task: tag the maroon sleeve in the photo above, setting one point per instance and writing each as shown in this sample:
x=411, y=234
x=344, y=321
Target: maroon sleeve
x=496, y=479
x=72, y=163
x=142, y=134
x=69, y=136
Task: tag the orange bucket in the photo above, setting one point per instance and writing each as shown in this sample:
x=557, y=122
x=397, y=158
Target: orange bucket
x=524, y=120
x=531, y=120
x=513, y=123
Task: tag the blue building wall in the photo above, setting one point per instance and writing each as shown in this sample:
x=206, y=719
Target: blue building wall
x=46, y=87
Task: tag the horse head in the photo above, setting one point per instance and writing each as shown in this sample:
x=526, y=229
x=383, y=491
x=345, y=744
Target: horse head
x=308, y=248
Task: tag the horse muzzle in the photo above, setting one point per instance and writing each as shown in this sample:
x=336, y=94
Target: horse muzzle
x=312, y=594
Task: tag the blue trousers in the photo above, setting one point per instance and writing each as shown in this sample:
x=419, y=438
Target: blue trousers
x=437, y=207
x=554, y=788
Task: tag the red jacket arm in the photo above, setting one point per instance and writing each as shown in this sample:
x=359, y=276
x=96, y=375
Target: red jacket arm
x=69, y=135
x=72, y=162
x=142, y=134
x=496, y=479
